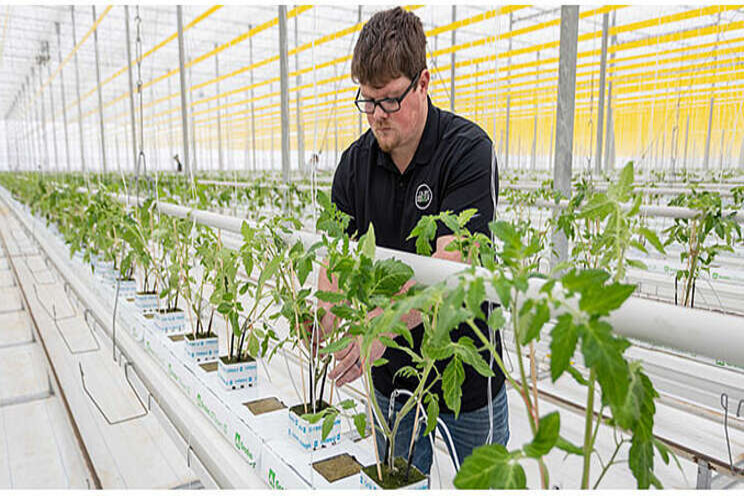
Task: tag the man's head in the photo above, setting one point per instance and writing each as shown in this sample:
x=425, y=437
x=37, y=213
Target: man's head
x=390, y=58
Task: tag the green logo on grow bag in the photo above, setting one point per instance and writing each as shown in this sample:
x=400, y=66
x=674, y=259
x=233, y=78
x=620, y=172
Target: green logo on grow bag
x=273, y=483
x=212, y=416
x=242, y=447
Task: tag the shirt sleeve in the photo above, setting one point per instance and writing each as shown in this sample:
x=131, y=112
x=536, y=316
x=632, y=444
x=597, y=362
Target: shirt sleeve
x=342, y=192
x=471, y=184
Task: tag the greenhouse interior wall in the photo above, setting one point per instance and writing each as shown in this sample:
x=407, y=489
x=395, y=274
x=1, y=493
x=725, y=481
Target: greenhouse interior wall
x=170, y=225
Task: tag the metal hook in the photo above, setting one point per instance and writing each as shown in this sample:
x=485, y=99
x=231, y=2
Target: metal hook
x=33, y=273
x=54, y=317
x=97, y=346
x=724, y=405
x=98, y=407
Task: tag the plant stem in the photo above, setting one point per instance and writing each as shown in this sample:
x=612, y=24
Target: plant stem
x=412, y=446
x=372, y=424
x=588, y=429
x=609, y=464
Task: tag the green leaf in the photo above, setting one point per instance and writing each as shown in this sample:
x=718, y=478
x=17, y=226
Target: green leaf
x=452, y=379
x=567, y=446
x=598, y=207
x=360, y=422
x=546, y=436
x=347, y=404
x=424, y=232
x=312, y=418
x=490, y=467
x=624, y=184
x=564, y=337
x=496, y=319
x=605, y=299
x=367, y=243
x=380, y=362
x=343, y=311
x=641, y=463
x=652, y=238
x=578, y=377
x=330, y=296
x=466, y=350
x=474, y=296
x=583, y=280
x=663, y=451
x=604, y=352
x=328, y=424
x=432, y=413
x=533, y=322
x=389, y=276
x=269, y=270
x=503, y=290
x=505, y=232
x=337, y=345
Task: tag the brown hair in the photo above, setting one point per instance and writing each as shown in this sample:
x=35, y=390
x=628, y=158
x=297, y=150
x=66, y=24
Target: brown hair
x=392, y=44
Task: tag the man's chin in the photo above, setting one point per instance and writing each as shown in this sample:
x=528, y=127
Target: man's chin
x=384, y=144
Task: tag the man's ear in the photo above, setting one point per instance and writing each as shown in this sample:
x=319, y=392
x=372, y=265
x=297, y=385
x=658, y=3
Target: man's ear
x=424, y=80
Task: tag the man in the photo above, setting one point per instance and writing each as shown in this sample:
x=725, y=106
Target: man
x=415, y=160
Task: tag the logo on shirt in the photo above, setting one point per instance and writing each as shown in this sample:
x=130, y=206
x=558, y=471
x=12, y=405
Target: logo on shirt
x=423, y=196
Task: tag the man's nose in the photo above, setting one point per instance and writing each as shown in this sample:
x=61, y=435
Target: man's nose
x=379, y=114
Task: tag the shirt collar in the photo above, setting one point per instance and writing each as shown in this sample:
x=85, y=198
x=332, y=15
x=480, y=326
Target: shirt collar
x=426, y=146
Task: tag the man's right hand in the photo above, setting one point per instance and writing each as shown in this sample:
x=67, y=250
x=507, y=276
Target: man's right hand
x=349, y=366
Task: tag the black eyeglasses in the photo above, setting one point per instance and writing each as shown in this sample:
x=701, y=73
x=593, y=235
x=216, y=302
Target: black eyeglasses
x=388, y=105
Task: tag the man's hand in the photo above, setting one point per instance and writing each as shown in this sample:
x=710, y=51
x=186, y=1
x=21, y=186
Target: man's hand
x=349, y=365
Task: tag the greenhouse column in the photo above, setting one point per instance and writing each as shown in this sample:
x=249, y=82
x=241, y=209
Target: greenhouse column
x=564, y=124
x=62, y=95
x=602, y=78
x=687, y=138
x=284, y=90
x=182, y=77
x=508, y=96
x=253, y=115
x=7, y=139
x=100, y=92
x=220, y=153
x=39, y=125
x=609, y=147
x=131, y=88
x=47, y=158
x=452, y=63
x=77, y=90
x=48, y=58
x=24, y=125
x=298, y=110
x=171, y=141
x=27, y=121
x=706, y=157
x=533, y=159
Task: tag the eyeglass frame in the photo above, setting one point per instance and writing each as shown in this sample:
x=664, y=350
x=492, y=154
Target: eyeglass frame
x=398, y=100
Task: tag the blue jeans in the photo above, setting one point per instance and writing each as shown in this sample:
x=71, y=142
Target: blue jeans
x=468, y=431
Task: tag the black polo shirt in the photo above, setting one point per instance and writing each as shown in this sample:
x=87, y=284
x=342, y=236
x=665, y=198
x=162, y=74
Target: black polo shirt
x=451, y=170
